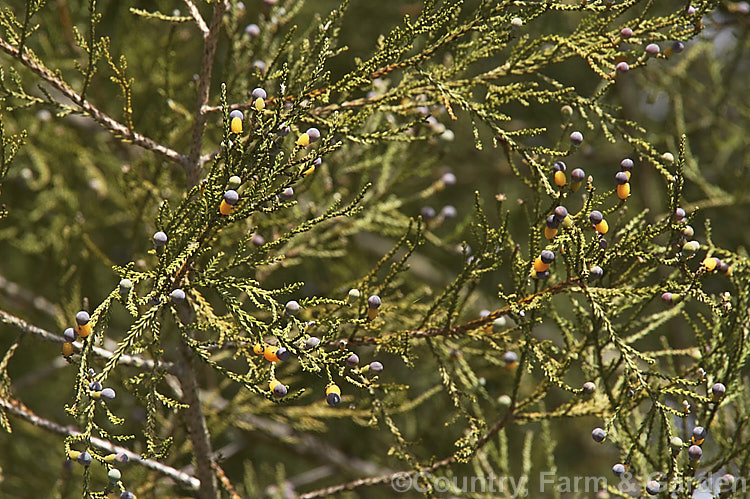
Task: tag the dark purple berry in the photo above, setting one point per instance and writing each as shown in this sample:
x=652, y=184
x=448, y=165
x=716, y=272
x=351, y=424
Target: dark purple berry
x=621, y=178
x=577, y=175
x=547, y=256
x=576, y=138
x=559, y=166
x=560, y=213
x=595, y=217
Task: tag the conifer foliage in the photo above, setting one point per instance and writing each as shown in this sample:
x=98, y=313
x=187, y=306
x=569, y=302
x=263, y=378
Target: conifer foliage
x=223, y=273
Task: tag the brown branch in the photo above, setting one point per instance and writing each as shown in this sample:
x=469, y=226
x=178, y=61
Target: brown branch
x=45, y=335
x=467, y=326
x=118, y=129
x=376, y=480
x=196, y=423
x=17, y=408
x=204, y=85
x=197, y=16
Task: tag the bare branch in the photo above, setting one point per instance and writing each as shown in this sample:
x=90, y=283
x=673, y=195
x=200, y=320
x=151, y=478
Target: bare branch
x=197, y=16
x=204, y=85
x=45, y=335
x=196, y=423
x=117, y=128
x=18, y=409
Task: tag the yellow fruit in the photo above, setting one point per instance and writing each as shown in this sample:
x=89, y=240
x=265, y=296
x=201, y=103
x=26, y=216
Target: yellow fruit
x=236, y=125
x=602, y=227
x=710, y=263
x=67, y=349
x=539, y=265
x=270, y=354
x=550, y=233
x=560, y=178
x=259, y=104
x=258, y=348
x=225, y=208
x=333, y=389
x=303, y=140
x=623, y=191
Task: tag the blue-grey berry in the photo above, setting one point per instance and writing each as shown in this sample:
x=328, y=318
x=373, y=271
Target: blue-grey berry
x=596, y=272
x=448, y=178
x=95, y=386
x=257, y=240
x=312, y=342
x=70, y=335
x=653, y=488
x=313, y=133
x=626, y=32
x=552, y=222
x=280, y=390
x=84, y=458
x=231, y=197
x=177, y=295
x=627, y=164
x=286, y=194
x=82, y=318
x=621, y=178
x=108, y=395
x=448, y=211
x=577, y=175
x=353, y=359
x=283, y=354
x=595, y=217
x=427, y=212
x=619, y=469
x=547, y=256
x=678, y=47
x=559, y=166
x=694, y=452
x=589, y=388
x=121, y=458
x=127, y=495
x=598, y=434
x=236, y=114
x=560, y=213
x=252, y=30
x=652, y=49
x=376, y=366
x=510, y=357
x=333, y=399
x=259, y=93
x=114, y=475
x=576, y=138
x=292, y=307
x=160, y=239
x=125, y=286
x=373, y=301
x=679, y=214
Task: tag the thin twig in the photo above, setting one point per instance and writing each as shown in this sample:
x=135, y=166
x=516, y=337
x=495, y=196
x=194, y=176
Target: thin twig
x=197, y=16
x=467, y=326
x=204, y=85
x=117, y=128
x=45, y=335
x=18, y=409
